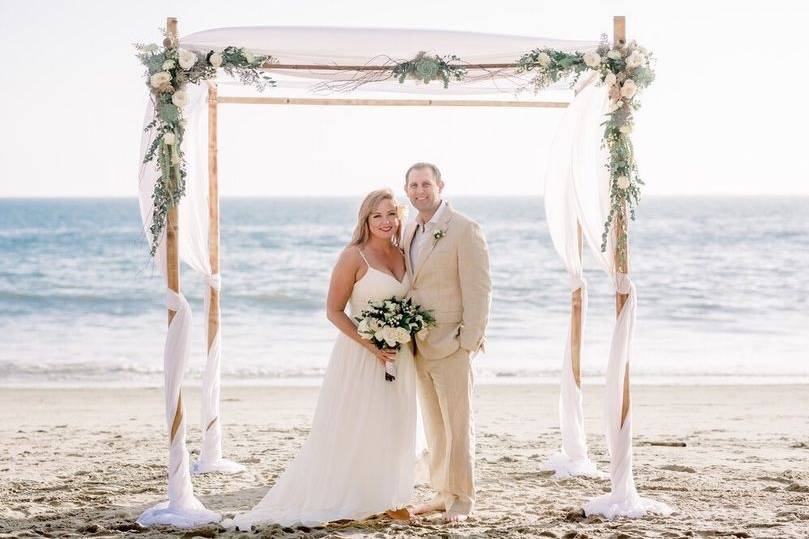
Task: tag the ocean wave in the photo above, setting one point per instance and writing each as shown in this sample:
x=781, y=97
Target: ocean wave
x=123, y=373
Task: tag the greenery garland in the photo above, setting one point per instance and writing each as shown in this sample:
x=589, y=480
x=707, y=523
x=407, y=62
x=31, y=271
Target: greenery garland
x=168, y=70
x=624, y=70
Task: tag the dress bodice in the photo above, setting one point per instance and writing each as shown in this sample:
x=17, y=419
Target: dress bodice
x=376, y=285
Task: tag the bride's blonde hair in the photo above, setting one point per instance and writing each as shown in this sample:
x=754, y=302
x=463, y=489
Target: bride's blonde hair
x=362, y=231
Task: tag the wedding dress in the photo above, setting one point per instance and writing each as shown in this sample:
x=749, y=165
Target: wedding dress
x=359, y=458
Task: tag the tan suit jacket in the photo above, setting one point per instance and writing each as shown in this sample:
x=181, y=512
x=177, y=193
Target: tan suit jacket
x=451, y=278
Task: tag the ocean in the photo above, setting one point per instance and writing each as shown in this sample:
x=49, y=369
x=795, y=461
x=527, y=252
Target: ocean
x=722, y=285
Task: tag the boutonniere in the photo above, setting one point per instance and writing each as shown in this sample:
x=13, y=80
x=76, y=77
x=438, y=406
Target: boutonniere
x=437, y=235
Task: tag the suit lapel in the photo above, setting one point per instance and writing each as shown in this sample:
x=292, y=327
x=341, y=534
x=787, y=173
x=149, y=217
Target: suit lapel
x=428, y=249
x=410, y=231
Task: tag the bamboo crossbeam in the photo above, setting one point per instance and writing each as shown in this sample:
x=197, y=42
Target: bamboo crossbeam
x=388, y=102
x=336, y=67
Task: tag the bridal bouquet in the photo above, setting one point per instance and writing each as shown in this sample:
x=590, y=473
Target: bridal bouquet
x=392, y=322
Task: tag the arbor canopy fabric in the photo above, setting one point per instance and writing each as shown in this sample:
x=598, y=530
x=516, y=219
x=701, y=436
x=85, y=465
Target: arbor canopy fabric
x=333, y=46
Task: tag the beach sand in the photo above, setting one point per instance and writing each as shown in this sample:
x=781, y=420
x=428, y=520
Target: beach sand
x=732, y=460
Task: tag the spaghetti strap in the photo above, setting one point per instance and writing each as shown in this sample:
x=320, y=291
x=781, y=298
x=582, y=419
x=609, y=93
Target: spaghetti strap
x=363, y=257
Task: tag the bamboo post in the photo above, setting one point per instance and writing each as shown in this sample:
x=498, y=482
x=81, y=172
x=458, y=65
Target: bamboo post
x=173, y=250
x=575, y=321
x=621, y=229
x=213, y=216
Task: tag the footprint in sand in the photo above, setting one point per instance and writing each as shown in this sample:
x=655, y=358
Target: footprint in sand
x=678, y=468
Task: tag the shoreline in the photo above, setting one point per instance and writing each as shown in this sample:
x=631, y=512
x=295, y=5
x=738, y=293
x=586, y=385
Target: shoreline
x=507, y=381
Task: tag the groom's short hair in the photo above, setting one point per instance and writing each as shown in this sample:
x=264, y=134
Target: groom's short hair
x=436, y=172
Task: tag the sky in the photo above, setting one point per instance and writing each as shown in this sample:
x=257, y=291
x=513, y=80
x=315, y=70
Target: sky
x=727, y=114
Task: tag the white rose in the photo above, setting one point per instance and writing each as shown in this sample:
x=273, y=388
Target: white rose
x=187, y=59
x=169, y=138
x=249, y=56
x=635, y=59
x=159, y=79
x=543, y=59
x=614, y=54
x=629, y=89
x=387, y=334
x=402, y=335
x=623, y=182
x=592, y=59
x=179, y=98
x=151, y=47
x=625, y=129
x=363, y=328
x=610, y=79
x=168, y=64
x=216, y=59
x=373, y=325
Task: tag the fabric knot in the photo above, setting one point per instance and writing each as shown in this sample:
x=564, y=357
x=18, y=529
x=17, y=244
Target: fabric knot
x=214, y=281
x=577, y=282
x=176, y=301
x=622, y=283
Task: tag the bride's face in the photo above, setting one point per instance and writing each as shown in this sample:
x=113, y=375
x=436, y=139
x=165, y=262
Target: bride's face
x=383, y=222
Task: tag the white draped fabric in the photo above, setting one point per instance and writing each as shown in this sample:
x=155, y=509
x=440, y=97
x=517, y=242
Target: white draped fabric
x=302, y=45
x=182, y=508
x=580, y=193
x=562, y=211
x=195, y=251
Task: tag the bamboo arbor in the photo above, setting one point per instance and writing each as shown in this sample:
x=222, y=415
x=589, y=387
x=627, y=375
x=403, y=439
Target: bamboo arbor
x=619, y=226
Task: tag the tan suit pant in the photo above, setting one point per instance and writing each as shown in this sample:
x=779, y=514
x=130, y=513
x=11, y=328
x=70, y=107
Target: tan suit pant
x=445, y=392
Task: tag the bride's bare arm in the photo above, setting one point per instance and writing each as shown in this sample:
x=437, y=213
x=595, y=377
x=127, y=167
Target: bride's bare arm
x=346, y=272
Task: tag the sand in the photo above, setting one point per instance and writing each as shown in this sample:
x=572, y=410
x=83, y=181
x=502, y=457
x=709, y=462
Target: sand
x=732, y=460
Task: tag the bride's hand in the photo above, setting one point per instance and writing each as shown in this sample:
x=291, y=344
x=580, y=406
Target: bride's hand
x=384, y=354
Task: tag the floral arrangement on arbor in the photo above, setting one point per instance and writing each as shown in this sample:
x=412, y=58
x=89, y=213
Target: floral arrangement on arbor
x=168, y=70
x=429, y=68
x=625, y=70
x=422, y=68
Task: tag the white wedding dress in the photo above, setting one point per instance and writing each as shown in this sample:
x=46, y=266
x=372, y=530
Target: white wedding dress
x=359, y=458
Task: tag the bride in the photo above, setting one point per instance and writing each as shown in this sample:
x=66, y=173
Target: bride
x=360, y=454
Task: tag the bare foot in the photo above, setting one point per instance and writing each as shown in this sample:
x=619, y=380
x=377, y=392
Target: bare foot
x=399, y=514
x=455, y=516
x=432, y=506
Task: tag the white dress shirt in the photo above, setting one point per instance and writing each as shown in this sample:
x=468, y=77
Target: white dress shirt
x=424, y=232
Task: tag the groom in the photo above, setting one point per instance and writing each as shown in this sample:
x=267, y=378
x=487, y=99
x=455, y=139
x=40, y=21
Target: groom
x=448, y=262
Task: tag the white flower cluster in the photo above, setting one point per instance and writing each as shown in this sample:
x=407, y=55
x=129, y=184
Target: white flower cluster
x=622, y=88
x=391, y=322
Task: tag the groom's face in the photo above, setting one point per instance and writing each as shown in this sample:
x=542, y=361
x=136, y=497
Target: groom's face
x=423, y=190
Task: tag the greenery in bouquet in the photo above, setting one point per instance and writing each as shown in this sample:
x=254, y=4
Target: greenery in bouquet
x=392, y=322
